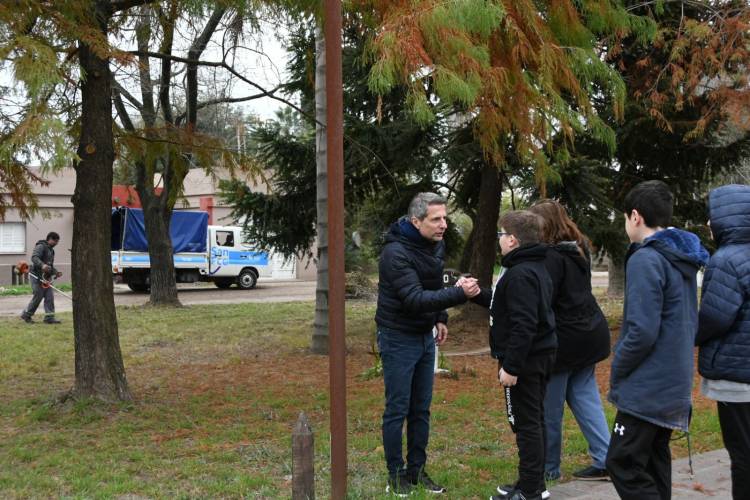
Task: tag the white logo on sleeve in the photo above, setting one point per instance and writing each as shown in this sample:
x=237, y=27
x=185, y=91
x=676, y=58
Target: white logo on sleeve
x=619, y=429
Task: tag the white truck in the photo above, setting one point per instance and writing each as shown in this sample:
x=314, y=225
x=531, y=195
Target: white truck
x=201, y=252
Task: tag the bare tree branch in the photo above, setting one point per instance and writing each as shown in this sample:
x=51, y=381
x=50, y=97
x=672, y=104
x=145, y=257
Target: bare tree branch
x=196, y=49
x=127, y=123
x=222, y=64
x=227, y=100
x=143, y=36
x=168, y=24
x=121, y=5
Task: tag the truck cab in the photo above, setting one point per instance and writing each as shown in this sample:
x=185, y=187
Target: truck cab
x=233, y=261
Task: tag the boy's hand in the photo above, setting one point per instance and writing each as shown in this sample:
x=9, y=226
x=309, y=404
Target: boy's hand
x=506, y=379
x=470, y=286
x=442, y=333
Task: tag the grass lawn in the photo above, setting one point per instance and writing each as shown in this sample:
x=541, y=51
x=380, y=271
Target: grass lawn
x=6, y=290
x=217, y=392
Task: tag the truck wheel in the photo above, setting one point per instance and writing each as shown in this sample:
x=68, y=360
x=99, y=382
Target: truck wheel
x=223, y=284
x=247, y=279
x=139, y=287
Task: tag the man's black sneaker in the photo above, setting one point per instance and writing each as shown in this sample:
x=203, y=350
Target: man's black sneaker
x=399, y=485
x=27, y=319
x=52, y=321
x=592, y=473
x=422, y=479
x=516, y=494
x=506, y=489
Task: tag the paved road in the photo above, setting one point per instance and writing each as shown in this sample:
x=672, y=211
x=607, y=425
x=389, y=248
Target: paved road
x=265, y=291
x=206, y=293
x=711, y=480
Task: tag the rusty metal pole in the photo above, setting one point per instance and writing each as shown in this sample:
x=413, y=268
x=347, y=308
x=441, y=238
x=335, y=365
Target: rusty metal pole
x=336, y=323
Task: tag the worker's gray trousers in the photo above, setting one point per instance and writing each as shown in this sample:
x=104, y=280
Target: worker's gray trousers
x=40, y=293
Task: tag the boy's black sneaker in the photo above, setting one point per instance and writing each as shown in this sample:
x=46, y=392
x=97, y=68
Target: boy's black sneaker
x=422, y=479
x=517, y=494
x=592, y=473
x=506, y=489
x=399, y=485
x=52, y=321
x=27, y=319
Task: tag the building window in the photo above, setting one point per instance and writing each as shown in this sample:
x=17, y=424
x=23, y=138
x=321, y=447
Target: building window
x=13, y=237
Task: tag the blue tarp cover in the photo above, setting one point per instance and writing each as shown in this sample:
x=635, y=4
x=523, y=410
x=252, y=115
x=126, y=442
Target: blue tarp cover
x=188, y=230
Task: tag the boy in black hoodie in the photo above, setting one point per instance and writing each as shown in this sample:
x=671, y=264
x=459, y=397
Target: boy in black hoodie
x=522, y=339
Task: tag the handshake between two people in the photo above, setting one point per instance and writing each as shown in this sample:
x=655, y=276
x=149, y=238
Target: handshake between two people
x=469, y=285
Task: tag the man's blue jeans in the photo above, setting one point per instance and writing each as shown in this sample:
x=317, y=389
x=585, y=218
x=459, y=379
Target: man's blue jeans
x=579, y=389
x=408, y=373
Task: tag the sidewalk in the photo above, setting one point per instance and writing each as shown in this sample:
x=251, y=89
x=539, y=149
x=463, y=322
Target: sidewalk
x=712, y=480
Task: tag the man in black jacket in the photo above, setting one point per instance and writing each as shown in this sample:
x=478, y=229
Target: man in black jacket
x=523, y=340
x=411, y=302
x=43, y=267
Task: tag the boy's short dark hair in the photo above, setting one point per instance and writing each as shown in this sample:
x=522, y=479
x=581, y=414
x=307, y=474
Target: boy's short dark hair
x=653, y=200
x=524, y=225
x=53, y=236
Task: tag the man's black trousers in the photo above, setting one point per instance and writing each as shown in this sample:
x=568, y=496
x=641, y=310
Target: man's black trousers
x=639, y=461
x=734, y=419
x=524, y=404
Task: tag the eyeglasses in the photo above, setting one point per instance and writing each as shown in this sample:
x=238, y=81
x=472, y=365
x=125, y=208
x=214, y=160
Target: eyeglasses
x=502, y=233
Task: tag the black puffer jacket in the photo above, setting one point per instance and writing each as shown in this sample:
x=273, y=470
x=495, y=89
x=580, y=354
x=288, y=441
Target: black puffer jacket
x=411, y=297
x=521, y=319
x=582, y=330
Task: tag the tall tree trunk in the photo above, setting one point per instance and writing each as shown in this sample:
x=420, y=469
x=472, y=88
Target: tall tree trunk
x=616, y=276
x=319, y=344
x=99, y=370
x=465, y=262
x=157, y=217
x=484, y=235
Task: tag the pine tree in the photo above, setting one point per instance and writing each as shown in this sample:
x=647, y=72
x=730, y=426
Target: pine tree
x=685, y=121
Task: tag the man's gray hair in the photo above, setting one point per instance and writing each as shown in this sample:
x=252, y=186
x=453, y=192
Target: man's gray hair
x=419, y=204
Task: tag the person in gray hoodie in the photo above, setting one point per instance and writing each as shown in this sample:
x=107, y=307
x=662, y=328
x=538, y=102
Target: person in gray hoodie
x=652, y=366
x=43, y=269
x=724, y=327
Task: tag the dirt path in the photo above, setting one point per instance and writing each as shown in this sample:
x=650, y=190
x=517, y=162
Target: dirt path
x=265, y=291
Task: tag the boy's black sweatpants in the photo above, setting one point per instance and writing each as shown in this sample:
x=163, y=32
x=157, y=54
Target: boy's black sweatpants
x=639, y=461
x=734, y=419
x=524, y=404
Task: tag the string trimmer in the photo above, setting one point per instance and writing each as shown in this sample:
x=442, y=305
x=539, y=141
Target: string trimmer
x=23, y=268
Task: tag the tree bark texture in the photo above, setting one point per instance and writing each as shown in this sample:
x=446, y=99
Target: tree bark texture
x=616, y=277
x=319, y=344
x=483, y=238
x=157, y=217
x=99, y=370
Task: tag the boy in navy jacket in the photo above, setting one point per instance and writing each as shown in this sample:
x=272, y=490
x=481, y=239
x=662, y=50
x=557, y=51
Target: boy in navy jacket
x=724, y=327
x=522, y=339
x=652, y=367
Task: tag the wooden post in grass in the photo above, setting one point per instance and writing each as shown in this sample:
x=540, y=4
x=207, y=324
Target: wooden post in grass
x=303, y=471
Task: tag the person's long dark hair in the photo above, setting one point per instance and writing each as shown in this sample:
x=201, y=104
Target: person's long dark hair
x=558, y=227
